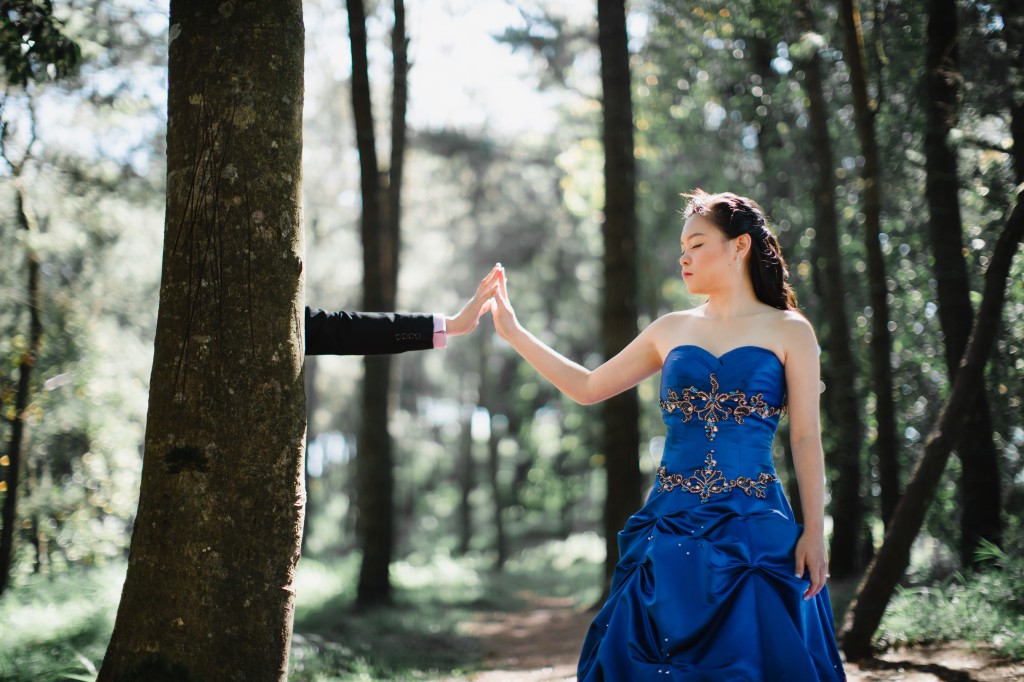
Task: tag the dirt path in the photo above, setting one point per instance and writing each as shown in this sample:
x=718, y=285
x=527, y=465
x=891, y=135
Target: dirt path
x=542, y=645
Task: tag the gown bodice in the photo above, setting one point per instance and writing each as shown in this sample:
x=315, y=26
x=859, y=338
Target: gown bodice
x=729, y=404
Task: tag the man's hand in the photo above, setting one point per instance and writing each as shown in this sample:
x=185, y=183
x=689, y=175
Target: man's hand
x=467, y=319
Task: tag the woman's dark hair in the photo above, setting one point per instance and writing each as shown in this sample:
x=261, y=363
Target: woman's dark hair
x=735, y=215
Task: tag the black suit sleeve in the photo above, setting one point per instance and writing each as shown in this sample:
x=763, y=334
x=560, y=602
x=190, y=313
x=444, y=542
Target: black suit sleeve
x=351, y=333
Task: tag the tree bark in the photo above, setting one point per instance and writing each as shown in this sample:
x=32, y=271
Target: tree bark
x=886, y=442
x=210, y=583
x=841, y=404
x=309, y=384
x=620, y=414
x=980, y=507
x=26, y=364
x=876, y=588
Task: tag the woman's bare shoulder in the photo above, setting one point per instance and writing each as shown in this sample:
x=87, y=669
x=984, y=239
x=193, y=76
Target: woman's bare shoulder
x=796, y=333
x=666, y=331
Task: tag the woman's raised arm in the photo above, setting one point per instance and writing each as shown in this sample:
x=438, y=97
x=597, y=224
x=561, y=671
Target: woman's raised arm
x=637, y=361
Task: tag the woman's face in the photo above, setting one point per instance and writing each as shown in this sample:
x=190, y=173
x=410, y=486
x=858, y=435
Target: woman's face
x=707, y=257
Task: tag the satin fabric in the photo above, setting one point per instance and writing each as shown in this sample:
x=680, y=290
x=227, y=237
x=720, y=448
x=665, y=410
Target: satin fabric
x=706, y=590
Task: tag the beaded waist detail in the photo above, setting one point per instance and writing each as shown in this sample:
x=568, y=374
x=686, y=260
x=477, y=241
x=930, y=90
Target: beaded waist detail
x=711, y=481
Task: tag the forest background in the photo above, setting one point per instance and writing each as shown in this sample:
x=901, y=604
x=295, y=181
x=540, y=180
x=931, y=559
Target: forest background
x=500, y=482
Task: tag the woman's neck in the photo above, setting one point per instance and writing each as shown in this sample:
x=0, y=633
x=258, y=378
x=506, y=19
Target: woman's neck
x=732, y=302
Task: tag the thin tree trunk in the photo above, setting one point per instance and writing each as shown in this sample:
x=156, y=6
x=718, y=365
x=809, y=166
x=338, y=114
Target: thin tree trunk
x=374, y=465
x=771, y=149
x=886, y=442
x=981, y=507
x=381, y=236
x=26, y=364
x=876, y=588
x=770, y=145
x=1013, y=28
x=466, y=478
x=842, y=406
x=620, y=414
x=491, y=382
x=497, y=496
x=210, y=583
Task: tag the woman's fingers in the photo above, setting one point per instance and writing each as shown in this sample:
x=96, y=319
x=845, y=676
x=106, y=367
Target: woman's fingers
x=503, y=281
x=818, y=576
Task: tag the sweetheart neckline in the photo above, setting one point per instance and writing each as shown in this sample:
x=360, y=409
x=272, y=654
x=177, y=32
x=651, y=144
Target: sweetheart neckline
x=719, y=358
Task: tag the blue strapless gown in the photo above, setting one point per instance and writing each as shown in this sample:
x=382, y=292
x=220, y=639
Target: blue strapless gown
x=704, y=588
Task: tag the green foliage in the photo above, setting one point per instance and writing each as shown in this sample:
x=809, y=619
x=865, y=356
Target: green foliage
x=33, y=46
x=97, y=214
x=983, y=607
x=58, y=627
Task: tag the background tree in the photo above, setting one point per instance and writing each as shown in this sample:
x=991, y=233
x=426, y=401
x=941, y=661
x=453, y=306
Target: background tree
x=620, y=414
x=886, y=444
x=839, y=368
x=981, y=510
x=216, y=538
x=380, y=226
x=32, y=46
x=876, y=588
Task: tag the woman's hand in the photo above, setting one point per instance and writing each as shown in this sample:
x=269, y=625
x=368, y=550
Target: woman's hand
x=467, y=319
x=505, y=322
x=811, y=558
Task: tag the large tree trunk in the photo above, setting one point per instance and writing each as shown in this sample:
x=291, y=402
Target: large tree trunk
x=620, y=414
x=380, y=229
x=981, y=506
x=839, y=367
x=886, y=443
x=876, y=588
x=29, y=356
x=210, y=584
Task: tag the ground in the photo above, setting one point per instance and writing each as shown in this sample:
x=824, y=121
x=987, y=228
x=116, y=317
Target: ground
x=541, y=644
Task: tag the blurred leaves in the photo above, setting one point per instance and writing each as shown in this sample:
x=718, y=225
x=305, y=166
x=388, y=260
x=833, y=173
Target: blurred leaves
x=33, y=46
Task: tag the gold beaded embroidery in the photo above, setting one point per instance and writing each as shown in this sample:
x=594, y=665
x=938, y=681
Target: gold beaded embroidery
x=709, y=481
x=717, y=406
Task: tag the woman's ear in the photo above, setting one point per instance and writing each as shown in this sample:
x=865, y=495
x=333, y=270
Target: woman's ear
x=742, y=245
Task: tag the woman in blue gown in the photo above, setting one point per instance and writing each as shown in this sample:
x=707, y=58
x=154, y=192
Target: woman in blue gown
x=716, y=580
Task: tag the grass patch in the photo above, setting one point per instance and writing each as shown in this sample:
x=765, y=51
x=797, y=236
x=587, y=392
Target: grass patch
x=419, y=637
x=984, y=608
x=416, y=638
x=57, y=628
